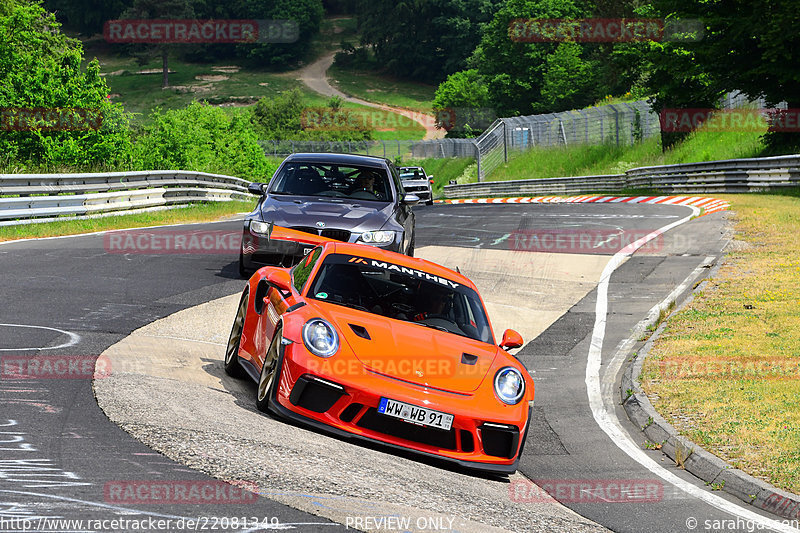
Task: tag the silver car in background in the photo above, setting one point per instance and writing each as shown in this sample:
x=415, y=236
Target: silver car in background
x=416, y=182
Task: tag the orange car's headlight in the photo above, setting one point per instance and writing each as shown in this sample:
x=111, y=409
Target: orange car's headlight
x=509, y=385
x=320, y=337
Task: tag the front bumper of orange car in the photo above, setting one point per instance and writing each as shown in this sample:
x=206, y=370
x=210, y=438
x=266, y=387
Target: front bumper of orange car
x=485, y=434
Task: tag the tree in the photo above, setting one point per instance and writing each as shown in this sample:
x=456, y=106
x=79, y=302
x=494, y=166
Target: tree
x=158, y=9
x=461, y=104
x=54, y=112
x=307, y=14
x=514, y=71
x=750, y=46
x=566, y=77
x=423, y=39
x=86, y=16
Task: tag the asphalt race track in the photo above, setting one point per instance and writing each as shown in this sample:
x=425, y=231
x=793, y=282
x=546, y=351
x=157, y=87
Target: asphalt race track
x=70, y=299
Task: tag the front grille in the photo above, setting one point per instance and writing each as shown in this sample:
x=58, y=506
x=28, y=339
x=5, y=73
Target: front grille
x=409, y=188
x=336, y=234
x=437, y=438
x=305, y=229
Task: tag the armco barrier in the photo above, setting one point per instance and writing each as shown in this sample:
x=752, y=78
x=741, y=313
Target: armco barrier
x=41, y=197
x=729, y=176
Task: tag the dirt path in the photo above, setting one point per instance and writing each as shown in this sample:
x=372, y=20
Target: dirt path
x=315, y=77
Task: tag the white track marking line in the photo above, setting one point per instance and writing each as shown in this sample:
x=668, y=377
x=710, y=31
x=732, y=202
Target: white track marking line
x=604, y=414
x=74, y=338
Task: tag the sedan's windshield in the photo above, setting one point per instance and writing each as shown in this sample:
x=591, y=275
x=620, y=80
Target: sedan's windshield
x=401, y=293
x=335, y=181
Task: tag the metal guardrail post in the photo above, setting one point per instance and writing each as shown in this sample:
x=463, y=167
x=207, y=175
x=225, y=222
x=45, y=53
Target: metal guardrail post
x=505, y=142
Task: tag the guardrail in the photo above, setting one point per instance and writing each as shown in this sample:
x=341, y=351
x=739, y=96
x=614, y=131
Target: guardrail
x=728, y=176
x=26, y=198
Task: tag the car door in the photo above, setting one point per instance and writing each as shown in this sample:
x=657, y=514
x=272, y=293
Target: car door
x=403, y=212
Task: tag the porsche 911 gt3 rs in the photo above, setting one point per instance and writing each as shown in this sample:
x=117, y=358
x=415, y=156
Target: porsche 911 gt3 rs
x=371, y=344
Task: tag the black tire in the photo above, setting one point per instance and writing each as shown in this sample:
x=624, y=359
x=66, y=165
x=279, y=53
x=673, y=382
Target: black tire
x=429, y=202
x=231, y=364
x=267, y=380
x=242, y=271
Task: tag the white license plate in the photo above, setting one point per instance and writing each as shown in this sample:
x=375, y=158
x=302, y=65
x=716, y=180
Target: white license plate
x=414, y=414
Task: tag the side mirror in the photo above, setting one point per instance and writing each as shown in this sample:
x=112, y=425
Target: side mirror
x=410, y=199
x=281, y=279
x=511, y=339
x=430, y=178
x=256, y=188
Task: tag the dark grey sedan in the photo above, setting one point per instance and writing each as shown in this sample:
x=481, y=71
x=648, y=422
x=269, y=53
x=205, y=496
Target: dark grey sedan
x=350, y=198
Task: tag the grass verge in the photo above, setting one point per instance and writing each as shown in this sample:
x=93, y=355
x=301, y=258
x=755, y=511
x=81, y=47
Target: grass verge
x=594, y=160
x=383, y=89
x=205, y=212
x=726, y=370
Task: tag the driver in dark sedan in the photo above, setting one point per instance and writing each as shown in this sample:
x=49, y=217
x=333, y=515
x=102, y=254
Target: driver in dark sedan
x=366, y=182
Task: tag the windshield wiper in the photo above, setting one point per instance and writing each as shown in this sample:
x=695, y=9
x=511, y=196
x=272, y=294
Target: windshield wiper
x=434, y=326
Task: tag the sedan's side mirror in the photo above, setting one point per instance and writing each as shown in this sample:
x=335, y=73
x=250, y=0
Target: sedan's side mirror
x=256, y=188
x=511, y=340
x=410, y=199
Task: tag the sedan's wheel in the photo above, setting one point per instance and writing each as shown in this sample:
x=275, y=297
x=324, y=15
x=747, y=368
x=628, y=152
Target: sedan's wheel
x=268, y=379
x=242, y=271
x=232, y=366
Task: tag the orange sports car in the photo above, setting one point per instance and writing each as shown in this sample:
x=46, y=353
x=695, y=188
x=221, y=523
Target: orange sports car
x=366, y=343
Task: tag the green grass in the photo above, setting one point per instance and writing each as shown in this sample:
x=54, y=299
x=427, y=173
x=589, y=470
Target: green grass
x=332, y=32
x=593, y=160
x=726, y=370
x=141, y=93
x=205, y=212
x=383, y=89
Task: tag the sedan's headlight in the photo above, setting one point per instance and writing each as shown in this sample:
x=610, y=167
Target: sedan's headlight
x=320, y=338
x=509, y=385
x=261, y=228
x=377, y=237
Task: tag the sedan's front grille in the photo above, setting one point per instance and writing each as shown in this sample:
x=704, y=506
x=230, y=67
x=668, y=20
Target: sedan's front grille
x=306, y=229
x=336, y=234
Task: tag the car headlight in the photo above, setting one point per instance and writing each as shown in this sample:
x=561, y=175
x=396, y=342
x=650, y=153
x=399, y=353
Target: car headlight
x=261, y=228
x=509, y=385
x=377, y=237
x=320, y=338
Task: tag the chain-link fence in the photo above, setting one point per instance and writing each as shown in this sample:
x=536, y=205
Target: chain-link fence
x=619, y=124
x=439, y=148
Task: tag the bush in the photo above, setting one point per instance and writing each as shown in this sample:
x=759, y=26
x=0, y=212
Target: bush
x=205, y=139
x=55, y=113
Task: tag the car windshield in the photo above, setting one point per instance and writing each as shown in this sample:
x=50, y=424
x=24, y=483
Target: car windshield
x=335, y=181
x=401, y=293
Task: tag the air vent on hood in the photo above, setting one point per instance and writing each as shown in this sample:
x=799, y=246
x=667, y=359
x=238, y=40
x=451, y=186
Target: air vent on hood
x=361, y=331
x=468, y=359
